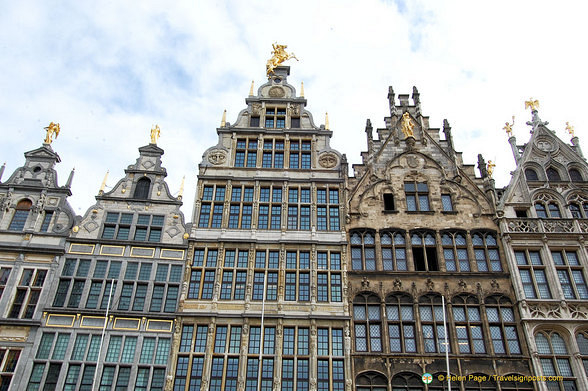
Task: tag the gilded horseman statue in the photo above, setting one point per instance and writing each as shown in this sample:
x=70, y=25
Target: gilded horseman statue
x=279, y=55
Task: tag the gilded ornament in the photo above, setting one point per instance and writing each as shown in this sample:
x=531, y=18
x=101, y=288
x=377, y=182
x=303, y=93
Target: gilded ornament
x=155, y=133
x=570, y=129
x=52, y=130
x=407, y=125
x=532, y=103
x=279, y=55
x=490, y=168
x=508, y=127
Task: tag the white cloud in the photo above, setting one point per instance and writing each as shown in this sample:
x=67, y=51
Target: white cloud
x=108, y=71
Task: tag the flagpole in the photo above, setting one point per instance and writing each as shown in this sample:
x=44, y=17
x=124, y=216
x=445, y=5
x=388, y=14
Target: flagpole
x=446, y=344
x=102, y=337
x=261, y=342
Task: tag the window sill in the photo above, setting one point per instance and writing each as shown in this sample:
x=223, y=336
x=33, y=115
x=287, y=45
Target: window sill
x=420, y=212
x=449, y=212
x=389, y=212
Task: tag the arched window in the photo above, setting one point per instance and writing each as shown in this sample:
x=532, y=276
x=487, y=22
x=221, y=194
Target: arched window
x=407, y=382
x=142, y=188
x=20, y=215
x=486, y=252
x=553, y=174
x=551, y=210
x=468, y=325
x=575, y=175
x=363, y=251
x=555, y=360
x=582, y=340
x=531, y=174
x=437, y=385
x=480, y=382
x=424, y=251
x=401, y=327
x=503, y=330
x=516, y=385
x=554, y=210
x=371, y=381
x=393, y=251
x=368, y=323
x=431, y=313
x=575, y=211
x=455, y=252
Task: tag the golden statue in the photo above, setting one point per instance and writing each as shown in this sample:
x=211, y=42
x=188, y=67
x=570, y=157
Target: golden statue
x=155, y=133
x=52, y=129
x=532, y=103
x=490, y=168
x=508, y=127
x=407, y=125
x=279, y=55
x=570, y=129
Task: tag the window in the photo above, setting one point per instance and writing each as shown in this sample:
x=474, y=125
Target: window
x=117, y=226
x=446, y=203
x=211, y=209
x=203, y=273
x=4, y=274
x=417, y=196
x=297, y=276
x=300, y=154
x=553, y=174
x=363, y=250
x=571, y=274
x=549, y=210
x=575, y=175
x=555, y=360
x=575, y=211
x=327, y=209
x=270, y=208
x=295, y=122
x=266, y=275
x=8, y=360
x=27, y=294
x=273, y=153
x=71, y=285
x=582, y=340
x=486, y=252
x=275, y=117
x=424, y=251
x=330, y=371
x=367, y=323
x=401, y=323
x=225, y=362
x=20, y=215
x=328, y=283
x=46, y=220
x=254, y=121
x=298, y=208
x=532, y=273
x=371, y=381
x=393, y=251
x=142, y=188
x=503, y=330
x=241, y=209
x=521, y=213
x=246, y=153
x=407, y=381
x=455, y=252
x=296, y=359
x=192, y=344
x=472, y=384
x=149, y=228
x=431, y=314
x=468, y=325
x=531, y=174
x=234, y=277
x=388, y=202
x=266, y=345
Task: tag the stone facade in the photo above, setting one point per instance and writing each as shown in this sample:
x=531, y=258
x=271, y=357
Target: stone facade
x=543, y=216
x=422, y=231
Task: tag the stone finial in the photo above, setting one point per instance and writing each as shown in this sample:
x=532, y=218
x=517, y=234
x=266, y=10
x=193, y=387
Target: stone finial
x=224, y=119
x=2, y=170
x=251, y=88
x=416, y=96
x=103, y=185
x=391, y=97
x=369, y=129
x=302, y=89
x=327, y=121
x=482, y=166
x=69, y=180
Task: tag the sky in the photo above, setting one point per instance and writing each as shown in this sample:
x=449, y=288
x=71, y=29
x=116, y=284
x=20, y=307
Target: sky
x=108, y=71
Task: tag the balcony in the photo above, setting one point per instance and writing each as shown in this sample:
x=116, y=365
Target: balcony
x=542, y=226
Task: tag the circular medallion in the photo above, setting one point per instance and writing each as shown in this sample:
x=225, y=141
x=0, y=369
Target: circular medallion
x=276, y=92
x=217, y=157
x=328, y=160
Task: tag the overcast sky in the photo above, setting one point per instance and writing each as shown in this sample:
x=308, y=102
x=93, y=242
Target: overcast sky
x=108, y=70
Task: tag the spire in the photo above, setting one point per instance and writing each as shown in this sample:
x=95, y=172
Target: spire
x=391, y=96
x=482, y=166
x=103, y=185
x=251, y=89
x=302, y=89
x=70, y=179
x=2, y=170
x=181, y=192
x=327, y=121
x=533, y=104
x=224, y=119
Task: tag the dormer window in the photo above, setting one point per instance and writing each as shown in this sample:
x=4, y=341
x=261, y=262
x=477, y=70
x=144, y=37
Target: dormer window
x=275, y=118
x=20, y=215
x=142, y=188
x=553, y=174
x=575, y=175
x=531, y=175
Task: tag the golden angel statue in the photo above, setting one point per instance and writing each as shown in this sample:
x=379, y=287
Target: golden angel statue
x=52, y=130
x=532, y=103
x=508, y=127
x=407, y=125
x=155, y=132
x=570, y=129
x=279, y=55
x=490, y=168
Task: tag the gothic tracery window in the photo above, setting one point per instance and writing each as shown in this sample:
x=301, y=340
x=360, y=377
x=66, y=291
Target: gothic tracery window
x=367, y=323
x=555, y=360
x=363, y=251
